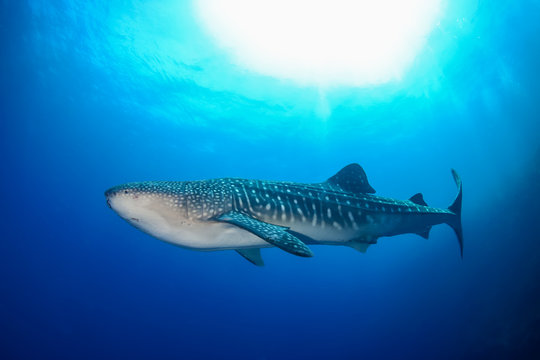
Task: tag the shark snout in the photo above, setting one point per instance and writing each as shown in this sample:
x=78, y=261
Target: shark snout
x=119, y=189
x=108, y=194
x=121, y=193
x=112, y=193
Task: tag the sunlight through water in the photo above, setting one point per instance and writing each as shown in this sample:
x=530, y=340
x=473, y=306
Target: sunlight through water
x=322, y=43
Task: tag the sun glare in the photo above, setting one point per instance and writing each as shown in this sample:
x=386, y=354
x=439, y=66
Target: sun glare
x=322, y=43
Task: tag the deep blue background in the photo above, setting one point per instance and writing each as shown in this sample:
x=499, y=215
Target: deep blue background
x=77, y=118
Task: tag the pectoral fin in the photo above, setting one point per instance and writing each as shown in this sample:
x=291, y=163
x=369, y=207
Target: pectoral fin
x=273, y=234
x=252, y=255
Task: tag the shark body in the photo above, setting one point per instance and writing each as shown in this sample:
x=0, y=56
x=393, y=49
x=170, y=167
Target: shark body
x=247, y=215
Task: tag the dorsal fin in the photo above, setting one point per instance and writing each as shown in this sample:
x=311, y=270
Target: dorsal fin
x=418, y=199
x=353, y=179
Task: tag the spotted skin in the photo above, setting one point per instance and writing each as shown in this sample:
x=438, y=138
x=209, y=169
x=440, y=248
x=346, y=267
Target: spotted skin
x=340, y=211
x=283, y=203
x=274, y=234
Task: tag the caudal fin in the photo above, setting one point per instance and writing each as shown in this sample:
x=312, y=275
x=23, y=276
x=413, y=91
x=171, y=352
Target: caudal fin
x=455, y=220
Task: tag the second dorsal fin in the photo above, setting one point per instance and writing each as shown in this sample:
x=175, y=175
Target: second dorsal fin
x=353, y=179
x=418, y=199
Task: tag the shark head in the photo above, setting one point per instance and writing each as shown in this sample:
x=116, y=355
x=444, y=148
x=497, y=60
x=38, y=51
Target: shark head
x=152, y=206
x=175, y=212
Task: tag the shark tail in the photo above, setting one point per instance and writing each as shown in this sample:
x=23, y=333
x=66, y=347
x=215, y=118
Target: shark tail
x=455, y=220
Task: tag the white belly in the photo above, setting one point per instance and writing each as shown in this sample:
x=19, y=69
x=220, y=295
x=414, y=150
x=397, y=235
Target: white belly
x=166, y=223
x=209, y=236
x=325, y=234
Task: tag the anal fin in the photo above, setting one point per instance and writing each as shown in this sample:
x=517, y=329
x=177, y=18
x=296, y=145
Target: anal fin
x=252, y=255
x=424, y=233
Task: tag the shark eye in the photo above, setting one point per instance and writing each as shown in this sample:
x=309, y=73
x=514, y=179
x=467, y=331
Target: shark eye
x=126, y=192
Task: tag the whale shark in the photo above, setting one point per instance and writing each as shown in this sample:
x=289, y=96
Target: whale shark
x=248, y=215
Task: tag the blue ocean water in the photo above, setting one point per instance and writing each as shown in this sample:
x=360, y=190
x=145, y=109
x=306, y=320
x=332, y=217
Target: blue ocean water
x=95, y=94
